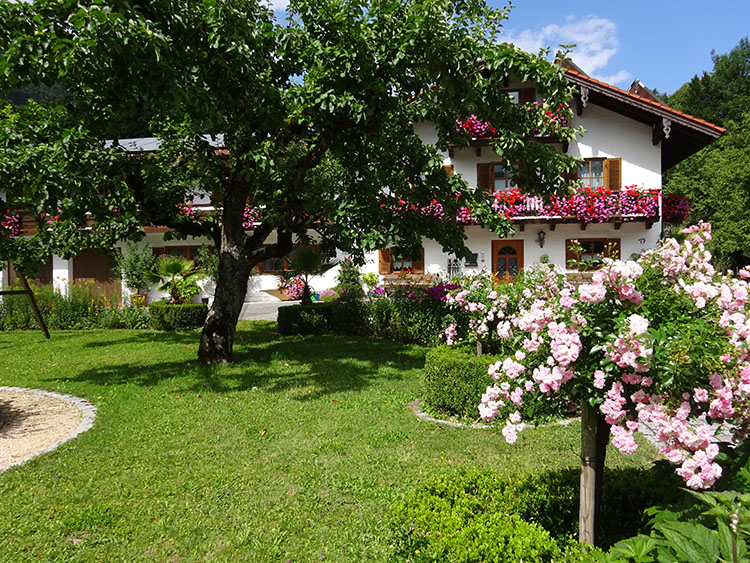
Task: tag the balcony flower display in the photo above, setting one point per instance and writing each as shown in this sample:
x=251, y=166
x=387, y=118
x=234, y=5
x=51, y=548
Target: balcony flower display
x=552, y=119
x=187, y=210
x=11, y=223
x=676, y=209
x=251, y=217
x=587, y=205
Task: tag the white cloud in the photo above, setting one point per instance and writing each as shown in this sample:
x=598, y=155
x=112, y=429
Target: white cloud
x=278, y=5
x=595, y=39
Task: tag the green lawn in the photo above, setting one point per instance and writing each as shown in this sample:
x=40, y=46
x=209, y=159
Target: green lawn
x=295, y=453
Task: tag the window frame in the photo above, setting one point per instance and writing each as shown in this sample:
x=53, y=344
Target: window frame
x=612, y=248
x=386, y=263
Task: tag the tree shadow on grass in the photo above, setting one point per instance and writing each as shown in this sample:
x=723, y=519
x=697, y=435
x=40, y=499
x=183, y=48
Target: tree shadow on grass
x=321, y=364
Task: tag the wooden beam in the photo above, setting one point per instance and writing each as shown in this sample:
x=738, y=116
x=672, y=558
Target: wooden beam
x=583, y=225
x=552, y=225
x=522, y=227
x=479, y=150
x=657, y=134
x=618, y=224
x=565, y=147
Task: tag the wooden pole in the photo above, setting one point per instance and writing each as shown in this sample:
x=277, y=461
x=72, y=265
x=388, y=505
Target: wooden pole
x=34, y=306
x=587, y=510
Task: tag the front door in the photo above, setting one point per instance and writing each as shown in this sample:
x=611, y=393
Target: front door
x=507, y=259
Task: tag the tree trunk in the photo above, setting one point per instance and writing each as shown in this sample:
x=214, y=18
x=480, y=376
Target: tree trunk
x=587, y=510
x=602, y=439
x=594, y=438
x=217, y=338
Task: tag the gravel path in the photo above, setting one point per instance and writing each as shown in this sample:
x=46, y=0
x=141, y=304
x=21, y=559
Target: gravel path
x=35, y=422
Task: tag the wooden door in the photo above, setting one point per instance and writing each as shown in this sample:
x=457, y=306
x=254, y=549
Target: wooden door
x=507, y=259
x=93, y=267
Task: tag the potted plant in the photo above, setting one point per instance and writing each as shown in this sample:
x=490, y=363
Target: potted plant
x=306, y=261
x=135, y=266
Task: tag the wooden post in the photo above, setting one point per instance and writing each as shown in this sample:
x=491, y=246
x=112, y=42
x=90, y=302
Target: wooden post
x=32, y=301
x=587, y=510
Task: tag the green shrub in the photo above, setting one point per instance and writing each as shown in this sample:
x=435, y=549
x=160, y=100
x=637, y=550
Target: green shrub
x=470, y=518
x=457, y=517
x=349, y=276
x=455, y=380
x=163, y=316
x=305, y=319
x=350, y=315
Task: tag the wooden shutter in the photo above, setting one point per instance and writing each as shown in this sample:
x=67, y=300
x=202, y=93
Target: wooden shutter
x=449, y=169
x=384, y=261
x=526, y=96
x=418, y=265
x=484, y=176
x=612, y=248
x=613, y=174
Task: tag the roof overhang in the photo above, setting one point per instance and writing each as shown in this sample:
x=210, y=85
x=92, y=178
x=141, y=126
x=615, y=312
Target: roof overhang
x=679, y=134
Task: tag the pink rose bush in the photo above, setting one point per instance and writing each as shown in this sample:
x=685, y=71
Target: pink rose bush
x=662, y=341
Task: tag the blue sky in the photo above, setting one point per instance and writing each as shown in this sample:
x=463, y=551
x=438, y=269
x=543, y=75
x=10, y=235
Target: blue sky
x=662, y=43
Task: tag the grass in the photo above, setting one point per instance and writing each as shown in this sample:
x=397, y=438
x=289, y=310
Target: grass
x=294, y=453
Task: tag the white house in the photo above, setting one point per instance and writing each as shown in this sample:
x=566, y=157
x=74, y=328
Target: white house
x=631, y=138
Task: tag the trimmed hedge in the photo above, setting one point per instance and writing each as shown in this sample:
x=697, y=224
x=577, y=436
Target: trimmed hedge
x=482, y=516
x=187, y=316
x=305, y=319
x=455, y=380
x=471, y=517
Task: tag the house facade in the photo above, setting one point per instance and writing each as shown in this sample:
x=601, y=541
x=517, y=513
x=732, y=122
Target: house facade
x=630, y=139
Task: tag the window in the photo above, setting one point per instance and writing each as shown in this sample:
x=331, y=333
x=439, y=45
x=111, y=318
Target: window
x=522, y=95
x=274, y=266
x=494, y=177
x=393, y=261
x=601, y=172
x=587, y=254
x=591, y=173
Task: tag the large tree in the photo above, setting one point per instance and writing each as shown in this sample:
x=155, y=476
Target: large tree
x=716, y=180
x=295, y=130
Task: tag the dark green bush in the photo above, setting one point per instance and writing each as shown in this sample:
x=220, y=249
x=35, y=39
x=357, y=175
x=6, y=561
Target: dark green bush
x=455, y=379
x=305, y=319
x=188, y=316
x=446, y=518
x=470, y=518
x=350, y=315
x=411, y=313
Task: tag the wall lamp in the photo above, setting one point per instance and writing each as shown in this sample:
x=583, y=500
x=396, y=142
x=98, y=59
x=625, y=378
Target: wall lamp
x=541, y=235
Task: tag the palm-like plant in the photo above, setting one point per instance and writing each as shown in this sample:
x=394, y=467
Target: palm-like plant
x=307, y=261
x=170, y=270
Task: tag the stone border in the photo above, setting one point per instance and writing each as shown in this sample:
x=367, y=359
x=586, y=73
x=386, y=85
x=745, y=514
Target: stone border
x=413, y=406
x=88, y=412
